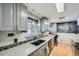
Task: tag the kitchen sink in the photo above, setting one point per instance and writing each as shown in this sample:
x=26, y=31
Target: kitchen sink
x=36, y=43
x=77, y=43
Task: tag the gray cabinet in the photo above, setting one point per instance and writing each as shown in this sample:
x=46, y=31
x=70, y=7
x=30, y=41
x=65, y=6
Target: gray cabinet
x=50, y=45
x=0, y=16
x=7, y=16
x=35, y=53
x=41, y=52
x=21, y=17
x=43, y=25
x=13, y=17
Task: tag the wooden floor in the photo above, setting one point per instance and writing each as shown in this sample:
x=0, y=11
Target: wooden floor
x=62, y=50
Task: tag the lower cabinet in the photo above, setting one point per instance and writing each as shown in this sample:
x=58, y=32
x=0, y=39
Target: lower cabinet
x=35, y=53
x=50, y=45
x=41, y=52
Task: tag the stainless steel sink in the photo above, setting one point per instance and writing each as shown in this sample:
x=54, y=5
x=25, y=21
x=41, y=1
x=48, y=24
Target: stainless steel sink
x=36, y=43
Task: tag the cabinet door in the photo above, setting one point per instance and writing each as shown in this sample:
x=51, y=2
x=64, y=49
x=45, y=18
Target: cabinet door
x=18, y=16
x=43, y=51
x=50, y=45
x=0, y=16
x=26, y=22
x=7, y=14
x=35, y=53
x=14, y=17
x=21, y=17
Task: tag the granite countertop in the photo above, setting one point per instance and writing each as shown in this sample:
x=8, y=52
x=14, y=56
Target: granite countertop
x=24, y=49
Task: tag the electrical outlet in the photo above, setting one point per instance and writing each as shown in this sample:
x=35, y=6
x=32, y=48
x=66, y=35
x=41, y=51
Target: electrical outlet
x=10, y=34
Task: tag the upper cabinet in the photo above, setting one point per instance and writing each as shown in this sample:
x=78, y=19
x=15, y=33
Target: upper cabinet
x=0, y=16
x=13, y=17
x=21, y=17
x=7, y=17
x=44, y=24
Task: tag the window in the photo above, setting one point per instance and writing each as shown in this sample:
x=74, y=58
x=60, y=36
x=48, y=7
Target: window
x=33, y=27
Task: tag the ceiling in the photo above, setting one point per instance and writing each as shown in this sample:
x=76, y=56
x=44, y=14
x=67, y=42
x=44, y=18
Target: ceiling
x=43, y=9
x=49, y=10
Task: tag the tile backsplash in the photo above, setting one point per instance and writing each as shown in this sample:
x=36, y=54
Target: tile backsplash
x=5, y=40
